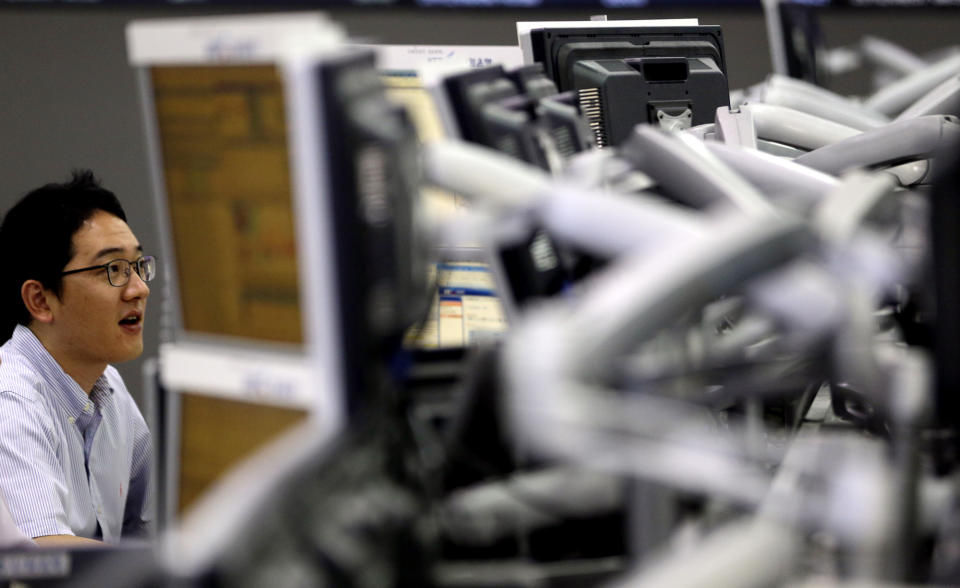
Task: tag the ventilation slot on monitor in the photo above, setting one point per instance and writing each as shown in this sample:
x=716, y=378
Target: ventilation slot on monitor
x=592, y=108
x=563, y=140
x=509, y=145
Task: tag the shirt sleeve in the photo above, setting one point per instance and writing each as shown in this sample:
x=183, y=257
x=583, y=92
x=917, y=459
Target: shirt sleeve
x=137, y=513
x=11, y=537
x=31, y=478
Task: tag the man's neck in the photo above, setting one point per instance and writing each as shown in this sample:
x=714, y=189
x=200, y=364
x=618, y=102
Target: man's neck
x=83, y=373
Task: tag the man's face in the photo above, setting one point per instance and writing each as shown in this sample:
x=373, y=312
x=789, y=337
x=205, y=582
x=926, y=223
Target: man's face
x=94, y=321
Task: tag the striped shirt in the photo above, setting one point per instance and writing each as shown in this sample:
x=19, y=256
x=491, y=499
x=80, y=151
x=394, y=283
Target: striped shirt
x=11, y=537
x=70, y=464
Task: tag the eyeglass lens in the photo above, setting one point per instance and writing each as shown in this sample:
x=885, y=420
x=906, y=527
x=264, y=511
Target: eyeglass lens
x=118, y=272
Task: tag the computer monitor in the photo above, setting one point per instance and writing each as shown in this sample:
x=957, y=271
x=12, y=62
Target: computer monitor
x=673, y=75
x=467, y=307
x=944, y=221
x=285, y=184
x=519, y=112
x=796, y=41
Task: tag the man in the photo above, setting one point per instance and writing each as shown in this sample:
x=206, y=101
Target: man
x=74, y=449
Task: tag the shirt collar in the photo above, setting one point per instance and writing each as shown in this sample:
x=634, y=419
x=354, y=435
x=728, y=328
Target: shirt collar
x=67, y=391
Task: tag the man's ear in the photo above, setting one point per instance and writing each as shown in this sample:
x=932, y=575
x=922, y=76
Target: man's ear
x=36, y=299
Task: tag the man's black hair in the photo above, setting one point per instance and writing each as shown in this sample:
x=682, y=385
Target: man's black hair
x=36, y=239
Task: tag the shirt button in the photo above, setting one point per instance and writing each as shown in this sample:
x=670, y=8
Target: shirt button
x=71, y=420
x=99, y=511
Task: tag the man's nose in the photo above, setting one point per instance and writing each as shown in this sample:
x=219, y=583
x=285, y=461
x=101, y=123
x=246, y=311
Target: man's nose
x=136, y=287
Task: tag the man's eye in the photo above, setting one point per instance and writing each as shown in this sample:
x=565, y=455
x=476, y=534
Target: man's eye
x=115, y=269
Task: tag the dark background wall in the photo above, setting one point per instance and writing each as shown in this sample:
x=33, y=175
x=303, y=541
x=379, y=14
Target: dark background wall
x=68, y=98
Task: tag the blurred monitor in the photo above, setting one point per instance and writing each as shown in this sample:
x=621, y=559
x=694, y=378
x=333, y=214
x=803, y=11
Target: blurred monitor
x=944, y=219
x=518, y=112
x=286, y=191
x=796, y=41
x=223, y=142
x=466, y=307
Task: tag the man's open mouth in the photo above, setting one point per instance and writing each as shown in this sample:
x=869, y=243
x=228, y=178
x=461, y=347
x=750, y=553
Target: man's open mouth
x=132, y=319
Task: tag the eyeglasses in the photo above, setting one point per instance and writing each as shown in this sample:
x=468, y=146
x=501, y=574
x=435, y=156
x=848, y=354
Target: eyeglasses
x=120, y=270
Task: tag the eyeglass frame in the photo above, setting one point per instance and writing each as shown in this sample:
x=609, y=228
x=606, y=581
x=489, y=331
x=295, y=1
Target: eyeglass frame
x=134, y=264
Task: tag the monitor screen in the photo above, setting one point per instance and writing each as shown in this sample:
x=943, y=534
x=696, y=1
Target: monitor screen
x=218, y=433
x=465, y=308
x=223, y=141
x=221, y=136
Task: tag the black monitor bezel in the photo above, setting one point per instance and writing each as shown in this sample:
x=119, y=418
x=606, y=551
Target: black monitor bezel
x=548, y=42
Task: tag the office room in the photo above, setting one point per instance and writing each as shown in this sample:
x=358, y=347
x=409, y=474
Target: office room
x=480, y=293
